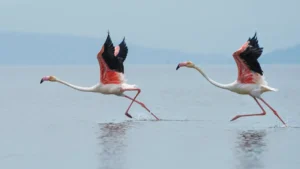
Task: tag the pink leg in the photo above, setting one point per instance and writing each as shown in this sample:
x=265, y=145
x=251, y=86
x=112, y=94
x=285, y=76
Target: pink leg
x=274, y=111
x=140, y=103
x=138, y=92
x=143, y=105
x=261, y=114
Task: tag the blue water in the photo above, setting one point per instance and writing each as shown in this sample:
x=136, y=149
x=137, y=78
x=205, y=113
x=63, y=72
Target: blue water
x=52, y=126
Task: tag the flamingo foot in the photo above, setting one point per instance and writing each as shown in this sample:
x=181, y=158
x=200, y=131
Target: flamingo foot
x=128, y=115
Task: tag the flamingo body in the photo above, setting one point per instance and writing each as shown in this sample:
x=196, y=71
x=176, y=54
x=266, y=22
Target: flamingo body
x=115, y=89
x=255, y=90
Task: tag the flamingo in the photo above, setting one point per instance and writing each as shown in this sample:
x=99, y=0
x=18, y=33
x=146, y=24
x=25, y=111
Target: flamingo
x=250, y=79
x=112, y=79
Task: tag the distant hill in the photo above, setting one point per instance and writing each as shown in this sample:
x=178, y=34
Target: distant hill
x=55, y=49
x=283, y=56
x=34, y=48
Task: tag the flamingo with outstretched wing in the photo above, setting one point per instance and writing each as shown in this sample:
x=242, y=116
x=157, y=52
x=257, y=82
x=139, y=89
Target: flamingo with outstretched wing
x=112, y=79
x=250, y=79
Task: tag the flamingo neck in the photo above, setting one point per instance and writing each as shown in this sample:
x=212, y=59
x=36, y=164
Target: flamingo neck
x=83, y=89
x=219, y=85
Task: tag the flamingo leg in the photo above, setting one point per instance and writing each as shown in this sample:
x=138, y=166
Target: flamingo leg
x=274, y=111
x=143, y=105
x=245, y=115
x=138, y=92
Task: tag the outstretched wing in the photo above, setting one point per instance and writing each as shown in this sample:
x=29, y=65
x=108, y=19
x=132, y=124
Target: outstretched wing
x=111, y=68
x=121, y=51
x=246, y=58
x=251, y=54
x=107, y=54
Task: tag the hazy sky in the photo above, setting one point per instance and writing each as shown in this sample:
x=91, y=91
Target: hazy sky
x=211, y=26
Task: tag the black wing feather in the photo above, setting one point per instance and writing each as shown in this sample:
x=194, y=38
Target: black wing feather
x=108, y=55
x=123, y=51
x=251, y=54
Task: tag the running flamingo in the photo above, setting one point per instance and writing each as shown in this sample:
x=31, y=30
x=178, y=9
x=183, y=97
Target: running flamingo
x=250, y=75
x=110, y=61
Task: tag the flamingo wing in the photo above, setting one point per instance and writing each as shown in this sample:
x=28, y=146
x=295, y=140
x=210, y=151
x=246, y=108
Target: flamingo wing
x=108, y=55
x=121, y=51
x=246, y=58
x=111, y=68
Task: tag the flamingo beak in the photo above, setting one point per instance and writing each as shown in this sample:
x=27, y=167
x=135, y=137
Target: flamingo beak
x=178, y=66
x=42, y=80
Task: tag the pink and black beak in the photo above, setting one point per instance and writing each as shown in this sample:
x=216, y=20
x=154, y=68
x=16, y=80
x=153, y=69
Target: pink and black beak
x=46, y=78
x=180, y=65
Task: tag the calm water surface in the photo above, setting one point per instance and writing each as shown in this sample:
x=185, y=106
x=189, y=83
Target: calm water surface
x=51, y=126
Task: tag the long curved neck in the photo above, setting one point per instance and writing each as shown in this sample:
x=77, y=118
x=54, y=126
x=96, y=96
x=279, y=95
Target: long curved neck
x=222, y=86
x=83, y=89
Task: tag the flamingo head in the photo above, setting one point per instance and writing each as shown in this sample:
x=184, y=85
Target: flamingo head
x=48, y=78
x=188, y=64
